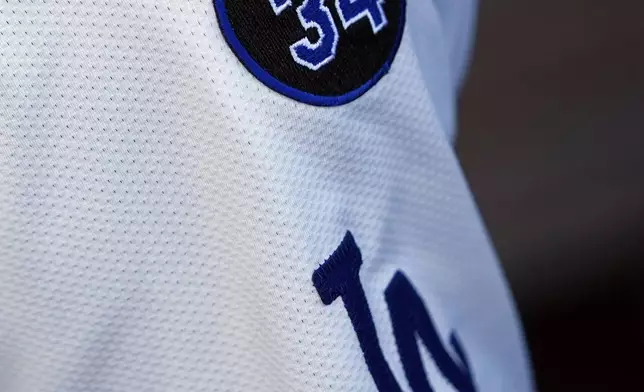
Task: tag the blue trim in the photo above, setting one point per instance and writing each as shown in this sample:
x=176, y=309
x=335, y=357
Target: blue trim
x=299, y=95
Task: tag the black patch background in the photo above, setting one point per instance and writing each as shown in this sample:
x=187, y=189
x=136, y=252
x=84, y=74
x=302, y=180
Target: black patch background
x=359, y=56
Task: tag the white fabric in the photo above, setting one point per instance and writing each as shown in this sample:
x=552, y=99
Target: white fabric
x=162, y=211
x=458, y=21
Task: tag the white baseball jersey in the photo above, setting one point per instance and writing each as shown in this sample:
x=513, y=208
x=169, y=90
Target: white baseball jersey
x=238, y=195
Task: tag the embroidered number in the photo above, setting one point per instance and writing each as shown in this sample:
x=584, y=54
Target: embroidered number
x=313, y=55
x=350, y=11
x=280, y=5
x=318, y=52
x=313, y=14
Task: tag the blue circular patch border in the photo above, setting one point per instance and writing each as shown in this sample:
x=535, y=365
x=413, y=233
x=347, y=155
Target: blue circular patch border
x=291, y=92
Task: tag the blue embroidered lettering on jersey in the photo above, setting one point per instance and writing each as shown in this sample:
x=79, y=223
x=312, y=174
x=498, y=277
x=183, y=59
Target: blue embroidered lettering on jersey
x=409, y=319
x=339, y=276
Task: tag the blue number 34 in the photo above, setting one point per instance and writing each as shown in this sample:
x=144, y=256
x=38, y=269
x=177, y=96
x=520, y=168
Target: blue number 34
x=313, y=14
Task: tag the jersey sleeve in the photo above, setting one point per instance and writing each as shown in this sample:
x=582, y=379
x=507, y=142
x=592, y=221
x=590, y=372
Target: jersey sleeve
x=188, y=205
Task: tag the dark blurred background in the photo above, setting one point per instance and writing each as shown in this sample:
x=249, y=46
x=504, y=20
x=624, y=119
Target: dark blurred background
x=552, y=143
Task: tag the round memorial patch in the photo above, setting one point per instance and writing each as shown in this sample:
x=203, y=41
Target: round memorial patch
x=321, y=52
